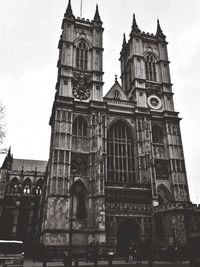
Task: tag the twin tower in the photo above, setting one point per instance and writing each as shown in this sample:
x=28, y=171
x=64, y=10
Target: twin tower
x=116, y=171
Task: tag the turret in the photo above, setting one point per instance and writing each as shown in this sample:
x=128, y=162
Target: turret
x=159, y=32
x=97, y=17
x=124, y=41
x=69, y=12
x=135, y=28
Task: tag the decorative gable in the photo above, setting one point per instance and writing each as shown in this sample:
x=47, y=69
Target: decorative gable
x=116, y=92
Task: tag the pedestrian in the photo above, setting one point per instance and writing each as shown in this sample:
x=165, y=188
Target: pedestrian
x=126, y=255
x=138, y=255
x=76, y=261
x=130, y=253
x=95, y=254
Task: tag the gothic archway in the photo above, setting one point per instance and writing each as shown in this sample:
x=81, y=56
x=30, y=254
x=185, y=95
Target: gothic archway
x=38, y=187
x=14, y=186
x=128, y=234
x=27, y=186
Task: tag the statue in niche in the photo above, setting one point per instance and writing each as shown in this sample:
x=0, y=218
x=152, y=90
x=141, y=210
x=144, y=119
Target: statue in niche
x=80, y=203
x=79, y=164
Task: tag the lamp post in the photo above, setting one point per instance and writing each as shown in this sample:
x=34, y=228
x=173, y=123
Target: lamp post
x=73, y=172
x=173, y=221
x=154, y=203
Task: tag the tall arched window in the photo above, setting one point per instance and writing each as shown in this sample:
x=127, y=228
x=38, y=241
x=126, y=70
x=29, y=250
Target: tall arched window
x=14, y=186
x=150, y=66
x=82, y=56
x=79, y=128
x=38, y=187
x=120, y=154
x=27, y=186
x=157, y=134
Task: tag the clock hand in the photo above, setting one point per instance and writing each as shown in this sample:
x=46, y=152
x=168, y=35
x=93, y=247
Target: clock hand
x=81, y=91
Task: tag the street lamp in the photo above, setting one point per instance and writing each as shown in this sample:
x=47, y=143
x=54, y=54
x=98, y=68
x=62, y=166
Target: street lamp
x=154, y=203
x=73, y=172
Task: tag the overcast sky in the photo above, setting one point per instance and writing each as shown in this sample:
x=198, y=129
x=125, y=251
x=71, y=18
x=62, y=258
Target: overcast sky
x=29, y=34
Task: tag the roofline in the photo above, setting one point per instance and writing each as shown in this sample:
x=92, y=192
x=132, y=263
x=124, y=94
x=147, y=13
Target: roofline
x=31, y=159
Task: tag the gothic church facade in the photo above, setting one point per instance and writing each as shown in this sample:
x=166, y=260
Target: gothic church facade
x=116, y=171
x=113, y=157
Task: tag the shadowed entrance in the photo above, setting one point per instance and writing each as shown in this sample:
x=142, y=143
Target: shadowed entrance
x=127, y=235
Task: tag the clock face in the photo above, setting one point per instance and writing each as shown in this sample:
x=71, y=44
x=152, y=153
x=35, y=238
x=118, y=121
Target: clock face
x=81, y=87
x=154, y=102
x=81, y=93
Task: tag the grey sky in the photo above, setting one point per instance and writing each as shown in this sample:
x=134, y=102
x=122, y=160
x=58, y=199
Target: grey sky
x=29, y=34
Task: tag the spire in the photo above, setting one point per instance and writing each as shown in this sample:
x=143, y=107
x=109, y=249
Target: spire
x=97, y=17
x=159, y=32
x=69, y=12
x=124, y=41
x=9, y=151
x=8, y=160
x=135, y=28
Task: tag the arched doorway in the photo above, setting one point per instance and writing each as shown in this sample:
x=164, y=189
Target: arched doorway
x=128, y=234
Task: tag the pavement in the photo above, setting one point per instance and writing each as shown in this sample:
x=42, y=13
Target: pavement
x=31, y=263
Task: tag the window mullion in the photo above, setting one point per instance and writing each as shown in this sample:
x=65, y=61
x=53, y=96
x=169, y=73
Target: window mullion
x=122, y=153
x=118, y=163
x=126, y=138
x=114, y=152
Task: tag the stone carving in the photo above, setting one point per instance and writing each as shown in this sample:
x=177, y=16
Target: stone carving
x=127, y=208
x=79, y=163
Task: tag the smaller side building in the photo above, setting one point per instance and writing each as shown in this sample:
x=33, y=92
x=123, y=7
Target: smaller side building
x=21, y=186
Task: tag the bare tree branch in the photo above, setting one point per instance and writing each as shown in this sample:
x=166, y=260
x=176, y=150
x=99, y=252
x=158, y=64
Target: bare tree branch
x=2, y=126
x=3, y=151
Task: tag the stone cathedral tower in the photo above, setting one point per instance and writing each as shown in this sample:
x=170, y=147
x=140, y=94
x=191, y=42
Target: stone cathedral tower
x=76, y=163
x=112, y=158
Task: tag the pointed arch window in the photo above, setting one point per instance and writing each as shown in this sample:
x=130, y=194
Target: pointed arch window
x=38, y=187
x=27, y=187
x=120, y=154
x=82, y=55
x=150, y=66
x=14, y=186
x=117, y=95
x=79, y=128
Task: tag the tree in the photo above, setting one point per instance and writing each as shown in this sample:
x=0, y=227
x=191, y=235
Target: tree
x=2, y=129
